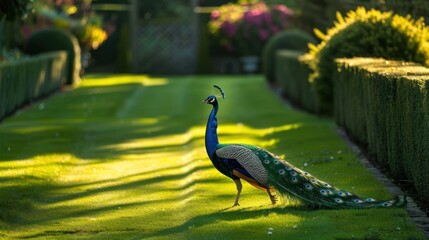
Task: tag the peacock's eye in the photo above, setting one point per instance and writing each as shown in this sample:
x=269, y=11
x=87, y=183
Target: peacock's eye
x=211, y=100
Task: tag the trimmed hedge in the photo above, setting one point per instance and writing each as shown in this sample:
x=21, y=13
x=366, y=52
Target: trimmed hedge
x=28, y=79
x=366, y=33
x=53, y=39
x=292, y=74
x=385, y=105
x=293, y=39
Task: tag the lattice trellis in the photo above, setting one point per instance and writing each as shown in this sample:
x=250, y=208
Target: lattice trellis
x=167, y=47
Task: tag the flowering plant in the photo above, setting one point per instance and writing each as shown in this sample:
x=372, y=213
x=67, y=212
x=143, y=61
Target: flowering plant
x=245, y=27
x=63, y=14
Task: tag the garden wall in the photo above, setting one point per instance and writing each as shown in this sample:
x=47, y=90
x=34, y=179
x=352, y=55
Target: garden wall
x=385, y=106
x=292, y=76
x=28, y=79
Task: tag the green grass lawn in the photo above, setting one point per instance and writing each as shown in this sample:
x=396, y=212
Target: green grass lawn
x=123, y=157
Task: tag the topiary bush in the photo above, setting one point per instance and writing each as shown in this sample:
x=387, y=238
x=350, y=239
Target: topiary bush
x=293, y=39
x=365, y=33
x=54, y=39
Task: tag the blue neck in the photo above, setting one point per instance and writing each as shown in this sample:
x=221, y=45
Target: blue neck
x=211, y=132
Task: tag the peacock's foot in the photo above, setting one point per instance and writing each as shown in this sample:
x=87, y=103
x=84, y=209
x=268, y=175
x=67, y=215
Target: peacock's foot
x=236, y=204
x=273, y=197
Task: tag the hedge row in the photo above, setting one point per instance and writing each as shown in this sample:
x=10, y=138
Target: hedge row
x=292, y=75
x=28, y=79
x=54, y=39
x=291, y=39
x=385, y=105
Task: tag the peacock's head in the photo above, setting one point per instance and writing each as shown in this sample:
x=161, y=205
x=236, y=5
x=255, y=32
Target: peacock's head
x=211, y=100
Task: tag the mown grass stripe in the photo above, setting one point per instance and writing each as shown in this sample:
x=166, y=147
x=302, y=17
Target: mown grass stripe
x=75, y=170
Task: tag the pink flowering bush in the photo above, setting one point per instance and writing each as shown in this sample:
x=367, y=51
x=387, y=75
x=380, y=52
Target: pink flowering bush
x=244, y=28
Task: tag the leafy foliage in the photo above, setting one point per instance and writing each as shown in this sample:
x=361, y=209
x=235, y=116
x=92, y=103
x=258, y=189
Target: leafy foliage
x=72, y=17
x=366, y=33
x=14, y=9
x=10, y=12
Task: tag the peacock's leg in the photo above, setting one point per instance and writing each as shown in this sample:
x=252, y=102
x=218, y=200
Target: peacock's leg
x=272, y=195
x=239, y=186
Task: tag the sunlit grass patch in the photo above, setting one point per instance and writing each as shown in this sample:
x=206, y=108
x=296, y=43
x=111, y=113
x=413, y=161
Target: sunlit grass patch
x=122, y=157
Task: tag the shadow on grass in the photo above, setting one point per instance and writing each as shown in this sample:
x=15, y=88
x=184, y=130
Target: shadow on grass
x=90, y=124
x=226, y=215
x=18, y=199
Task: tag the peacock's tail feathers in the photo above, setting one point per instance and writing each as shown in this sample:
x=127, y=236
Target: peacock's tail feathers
x=296, y=184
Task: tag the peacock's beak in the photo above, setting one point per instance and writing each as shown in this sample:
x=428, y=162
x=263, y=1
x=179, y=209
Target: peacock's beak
x=205, y=101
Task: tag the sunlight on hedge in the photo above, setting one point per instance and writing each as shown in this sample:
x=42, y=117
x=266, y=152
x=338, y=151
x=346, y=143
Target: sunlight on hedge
x=363, y=33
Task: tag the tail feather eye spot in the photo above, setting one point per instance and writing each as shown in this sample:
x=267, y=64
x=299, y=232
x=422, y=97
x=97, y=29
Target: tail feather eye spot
x=276, y=162
x=341, y=194
x=294, y=174
x=324, y=192
x=357, y=201
x=339, y=200
x=294, y=179
x=267, y=161
x=282, y=172
x=308, y=186
x=288, y=168
x=326, y=185
x=370, y=200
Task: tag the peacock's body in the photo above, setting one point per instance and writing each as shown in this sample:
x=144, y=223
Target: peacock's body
x=272, y=174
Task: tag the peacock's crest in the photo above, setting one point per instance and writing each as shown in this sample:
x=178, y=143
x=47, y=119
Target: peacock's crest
x=220, y=92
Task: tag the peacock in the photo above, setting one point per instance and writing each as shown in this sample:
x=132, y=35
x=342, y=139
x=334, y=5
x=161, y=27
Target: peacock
x=268, y=172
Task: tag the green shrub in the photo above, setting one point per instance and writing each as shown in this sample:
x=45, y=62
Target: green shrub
x=292, y=75
x=294, y=39
x=385, y=106
x=54, y=39
x=366, y=34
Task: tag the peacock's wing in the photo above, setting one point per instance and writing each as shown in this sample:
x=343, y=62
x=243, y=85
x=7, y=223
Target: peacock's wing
x=292, y=182
x=247, y=158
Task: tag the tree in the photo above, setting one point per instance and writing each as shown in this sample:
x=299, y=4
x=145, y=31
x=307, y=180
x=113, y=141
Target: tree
x=11, y=11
